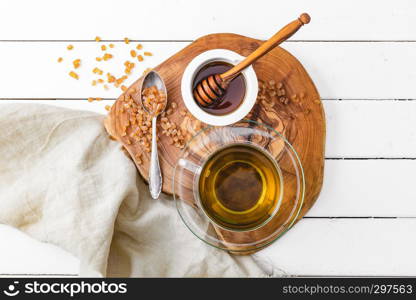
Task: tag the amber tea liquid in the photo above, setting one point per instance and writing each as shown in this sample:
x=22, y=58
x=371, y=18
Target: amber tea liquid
x=234, y=95
x=240, y=187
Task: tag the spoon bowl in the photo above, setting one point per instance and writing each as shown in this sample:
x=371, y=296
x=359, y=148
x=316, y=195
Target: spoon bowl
x=153, y=79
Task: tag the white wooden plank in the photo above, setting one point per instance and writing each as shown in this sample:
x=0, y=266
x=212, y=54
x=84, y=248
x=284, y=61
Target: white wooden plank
x=31, y=70
x=359, y=70
x=363, y=129
x=376, y=187
x=367, y=188
x=335, y=247
x=339, y=70
x=20, y=254
x=370, y=128
x=346, y=247
x=181, y=19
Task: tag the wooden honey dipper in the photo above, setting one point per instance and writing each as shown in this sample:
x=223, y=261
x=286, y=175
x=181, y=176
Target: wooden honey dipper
x=210, y=90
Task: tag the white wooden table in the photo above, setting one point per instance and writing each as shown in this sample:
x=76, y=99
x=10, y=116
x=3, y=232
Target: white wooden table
x=361, y=56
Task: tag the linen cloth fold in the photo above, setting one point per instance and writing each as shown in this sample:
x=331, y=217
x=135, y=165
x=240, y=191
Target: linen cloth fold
x=64, y=182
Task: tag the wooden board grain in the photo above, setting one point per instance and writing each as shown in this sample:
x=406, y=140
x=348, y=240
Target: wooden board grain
x=301, y=120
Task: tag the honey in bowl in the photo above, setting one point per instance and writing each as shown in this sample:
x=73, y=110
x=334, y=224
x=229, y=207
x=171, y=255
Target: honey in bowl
x=240, y=187
x=234, y=94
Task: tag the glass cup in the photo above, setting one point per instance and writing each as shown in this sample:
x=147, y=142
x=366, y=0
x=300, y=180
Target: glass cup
x=197, y=152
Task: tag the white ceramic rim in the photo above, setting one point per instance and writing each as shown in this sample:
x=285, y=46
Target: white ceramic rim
x=193, y=68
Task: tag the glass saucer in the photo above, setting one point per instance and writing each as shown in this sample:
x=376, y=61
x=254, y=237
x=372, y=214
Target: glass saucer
x=186, y=176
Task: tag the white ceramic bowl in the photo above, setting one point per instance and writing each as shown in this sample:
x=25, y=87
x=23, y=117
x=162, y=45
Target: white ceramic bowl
x=188, y=78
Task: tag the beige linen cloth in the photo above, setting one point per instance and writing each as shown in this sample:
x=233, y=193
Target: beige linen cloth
x=64, y=182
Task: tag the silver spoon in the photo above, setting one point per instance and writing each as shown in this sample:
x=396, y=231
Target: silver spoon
x=155, y=176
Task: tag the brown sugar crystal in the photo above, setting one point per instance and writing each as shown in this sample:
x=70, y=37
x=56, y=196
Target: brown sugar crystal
x=74, y=75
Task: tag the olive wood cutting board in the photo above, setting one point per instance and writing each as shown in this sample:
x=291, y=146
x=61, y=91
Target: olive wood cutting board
x=299, y=115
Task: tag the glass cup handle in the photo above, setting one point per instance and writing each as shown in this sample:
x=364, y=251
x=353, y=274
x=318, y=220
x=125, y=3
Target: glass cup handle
x=190, y=166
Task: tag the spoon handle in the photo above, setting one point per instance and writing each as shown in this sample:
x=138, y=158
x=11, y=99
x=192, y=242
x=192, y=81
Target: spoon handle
x=282, y=35
x=155, y=176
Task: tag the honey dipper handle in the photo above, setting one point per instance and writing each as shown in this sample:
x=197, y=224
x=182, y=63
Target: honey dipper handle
x=282, y=35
